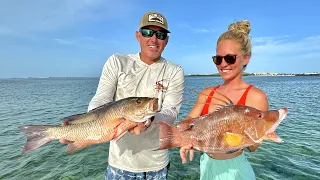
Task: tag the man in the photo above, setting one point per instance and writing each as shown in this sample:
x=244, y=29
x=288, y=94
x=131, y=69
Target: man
x=133, y=157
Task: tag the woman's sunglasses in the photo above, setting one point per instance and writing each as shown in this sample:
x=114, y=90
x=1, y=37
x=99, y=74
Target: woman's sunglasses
x=229, y=58
x=149, y=33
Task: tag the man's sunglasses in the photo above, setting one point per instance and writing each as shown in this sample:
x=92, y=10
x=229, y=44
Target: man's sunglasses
x=149, y=33
x=229, y=58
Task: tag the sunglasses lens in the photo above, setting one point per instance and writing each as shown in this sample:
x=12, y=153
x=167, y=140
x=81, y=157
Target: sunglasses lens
x=217, y=59
x=230, y=59
x=149, y=33
x=161, y=35
x=146, y=32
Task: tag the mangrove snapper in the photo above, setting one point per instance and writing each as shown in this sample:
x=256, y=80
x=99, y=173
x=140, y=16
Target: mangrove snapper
x=99, y=125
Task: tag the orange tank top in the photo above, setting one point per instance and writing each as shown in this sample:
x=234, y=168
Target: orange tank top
x=242, y=100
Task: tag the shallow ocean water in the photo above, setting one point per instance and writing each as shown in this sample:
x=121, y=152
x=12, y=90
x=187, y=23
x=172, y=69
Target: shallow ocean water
x=48, y=100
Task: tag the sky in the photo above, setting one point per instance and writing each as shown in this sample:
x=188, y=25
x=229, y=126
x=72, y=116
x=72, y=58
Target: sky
x=74, y=38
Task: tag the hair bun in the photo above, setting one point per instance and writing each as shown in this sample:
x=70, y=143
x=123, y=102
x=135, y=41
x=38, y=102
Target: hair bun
x=240, y=26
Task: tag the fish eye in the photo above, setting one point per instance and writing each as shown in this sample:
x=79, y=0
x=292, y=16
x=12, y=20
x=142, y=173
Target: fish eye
x=260, y=116
x=139, y=101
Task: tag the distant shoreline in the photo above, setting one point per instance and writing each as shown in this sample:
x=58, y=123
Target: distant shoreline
x=187, y=75
x=263, y=74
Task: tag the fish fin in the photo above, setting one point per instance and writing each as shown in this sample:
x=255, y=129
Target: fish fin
x=84, y=117
x=185, y=125
x=102, y=106
x=118, y=137
x=73, y=118
x=36, y=136
x=227, y=102
x=272, y=137
x=114, y=123
x=75, y=146
x=123, y=127
x=219, y=106
x=169, y=136
x=232, y=139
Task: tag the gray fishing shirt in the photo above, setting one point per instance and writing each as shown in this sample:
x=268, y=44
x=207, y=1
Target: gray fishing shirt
x=127, y=76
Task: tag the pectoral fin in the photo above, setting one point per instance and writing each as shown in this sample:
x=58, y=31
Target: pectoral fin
x=121, y=126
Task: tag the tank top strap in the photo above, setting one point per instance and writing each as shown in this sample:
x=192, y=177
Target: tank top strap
x=206, y=106
x=243, y=98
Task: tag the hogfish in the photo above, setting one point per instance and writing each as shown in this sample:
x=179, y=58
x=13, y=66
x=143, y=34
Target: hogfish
x=225, y=130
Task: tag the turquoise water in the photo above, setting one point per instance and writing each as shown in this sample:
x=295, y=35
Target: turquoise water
x=47, y=101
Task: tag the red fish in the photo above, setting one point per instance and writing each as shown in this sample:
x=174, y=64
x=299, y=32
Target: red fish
x=227, y=129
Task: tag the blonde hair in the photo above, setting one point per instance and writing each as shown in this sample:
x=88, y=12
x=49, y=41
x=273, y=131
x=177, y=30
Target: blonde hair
x=239, y=32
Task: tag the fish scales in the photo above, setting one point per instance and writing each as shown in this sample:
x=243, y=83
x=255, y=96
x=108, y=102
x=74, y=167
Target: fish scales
x=227, y=129
x=102, y=124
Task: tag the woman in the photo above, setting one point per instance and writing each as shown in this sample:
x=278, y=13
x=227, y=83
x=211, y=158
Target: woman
x=233, y=52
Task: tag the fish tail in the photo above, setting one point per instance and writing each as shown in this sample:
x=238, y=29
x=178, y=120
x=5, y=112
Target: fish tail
x=36, y=136
x=169, y=136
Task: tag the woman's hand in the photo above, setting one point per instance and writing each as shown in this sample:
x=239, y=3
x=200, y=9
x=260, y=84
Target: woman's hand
x=184, y=153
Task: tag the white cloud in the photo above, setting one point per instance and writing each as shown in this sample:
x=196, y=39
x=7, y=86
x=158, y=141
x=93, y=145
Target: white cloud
x=198, y=30
x=285, y=54
x=84, y=42
x=61, y=41
x=35, y=15
x=195, y=30
x=270, y=46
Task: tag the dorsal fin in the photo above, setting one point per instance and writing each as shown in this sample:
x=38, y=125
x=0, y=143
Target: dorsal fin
x=230, y=102
x=99, y=107
x=227, y=102
x=83, y=117
x=72, y=119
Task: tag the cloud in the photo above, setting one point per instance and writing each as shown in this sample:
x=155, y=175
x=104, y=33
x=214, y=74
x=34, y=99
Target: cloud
x=54, y=14
x=288, y=54
x=285, y=45
x=195, y=30
x=85, y=42
x=61, y=41
x=270, y=39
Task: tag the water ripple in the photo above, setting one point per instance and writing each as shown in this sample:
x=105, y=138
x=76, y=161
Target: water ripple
x=47, y=101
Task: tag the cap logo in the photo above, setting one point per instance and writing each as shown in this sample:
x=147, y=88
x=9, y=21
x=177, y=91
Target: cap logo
x=156, y=18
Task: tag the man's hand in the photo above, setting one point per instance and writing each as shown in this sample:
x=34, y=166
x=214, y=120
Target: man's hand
x=140, y=127
x=184, y=153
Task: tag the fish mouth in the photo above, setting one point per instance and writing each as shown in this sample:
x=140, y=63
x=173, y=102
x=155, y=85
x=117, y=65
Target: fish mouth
x=283, y=112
